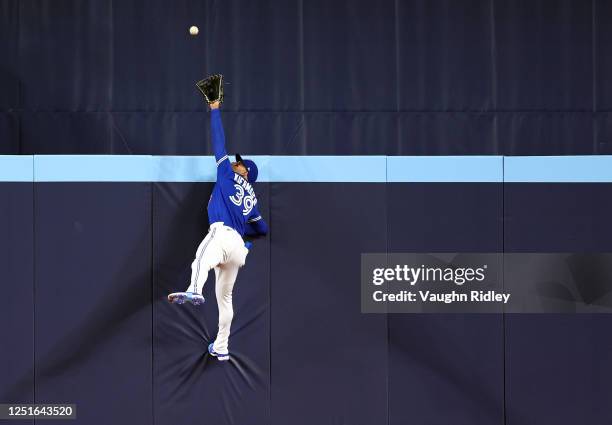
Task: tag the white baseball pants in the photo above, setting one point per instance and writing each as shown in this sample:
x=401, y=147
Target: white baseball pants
x=222, y=249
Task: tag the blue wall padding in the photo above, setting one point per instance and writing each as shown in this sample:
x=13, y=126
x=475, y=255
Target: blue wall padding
x=191, y=387
x=603, y=37
x=525, y=56
x=136, y=87
x=556, y=365
x=9, y=70
x=445, y=217
x=313, y=77
x=526, y=133
x=69, y=131
x=328, y=360
x=455, y=68
x=93, y=299
x=57, y=39
x=334, y=41
x=445, y=368
x=556, y=369
x=441, y=133
x=91, y=263
x=17, y=281
x=546, y=217
x=9, y=132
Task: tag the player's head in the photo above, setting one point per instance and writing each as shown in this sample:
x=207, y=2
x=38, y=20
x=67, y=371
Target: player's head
x=246, y=168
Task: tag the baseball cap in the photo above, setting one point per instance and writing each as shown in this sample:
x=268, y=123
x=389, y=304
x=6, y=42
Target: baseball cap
x=250, y=166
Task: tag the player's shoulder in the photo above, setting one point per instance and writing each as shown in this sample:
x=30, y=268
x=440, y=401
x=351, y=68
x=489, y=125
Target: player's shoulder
x=242, y=181
x=226, y=174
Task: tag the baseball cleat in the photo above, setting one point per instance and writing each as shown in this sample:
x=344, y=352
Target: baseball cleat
x=197, y=299
x=219, y=356
x=183, y=297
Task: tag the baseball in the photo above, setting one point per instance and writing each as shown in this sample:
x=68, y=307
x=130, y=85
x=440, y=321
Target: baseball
x=194, y=30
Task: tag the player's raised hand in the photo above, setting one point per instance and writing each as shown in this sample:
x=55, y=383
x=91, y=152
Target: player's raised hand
x=212, y=88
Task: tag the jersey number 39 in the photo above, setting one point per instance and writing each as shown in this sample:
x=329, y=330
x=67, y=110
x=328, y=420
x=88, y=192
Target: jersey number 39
x=239, y=199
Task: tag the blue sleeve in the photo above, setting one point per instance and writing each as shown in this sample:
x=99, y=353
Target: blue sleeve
x=255, y=225
x=257, y=228
x=218, y=143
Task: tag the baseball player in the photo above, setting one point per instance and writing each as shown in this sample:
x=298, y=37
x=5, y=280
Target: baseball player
x=232, y=213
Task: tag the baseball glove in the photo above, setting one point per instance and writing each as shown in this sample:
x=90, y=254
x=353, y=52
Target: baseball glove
x=212, y=88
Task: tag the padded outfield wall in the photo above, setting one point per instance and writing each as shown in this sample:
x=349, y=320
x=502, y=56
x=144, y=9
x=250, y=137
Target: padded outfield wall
x=308, y=77
x=92, y=245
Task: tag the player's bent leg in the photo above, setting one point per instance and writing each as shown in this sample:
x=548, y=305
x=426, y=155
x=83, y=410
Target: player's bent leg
x=208, y=255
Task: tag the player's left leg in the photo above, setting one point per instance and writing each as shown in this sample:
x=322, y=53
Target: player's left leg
x=226, y=277
x=208, y=255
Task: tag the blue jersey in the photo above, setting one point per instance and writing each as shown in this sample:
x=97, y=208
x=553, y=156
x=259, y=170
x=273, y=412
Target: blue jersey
x=233, y=200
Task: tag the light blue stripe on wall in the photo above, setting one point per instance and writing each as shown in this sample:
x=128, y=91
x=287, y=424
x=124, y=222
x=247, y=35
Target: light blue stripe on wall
x=143, y=168
x=445, y=169
x=16, y=168
x=327, y=169
x=184, y=168
x=558, y=169
x=198, y=168
x=93, y=168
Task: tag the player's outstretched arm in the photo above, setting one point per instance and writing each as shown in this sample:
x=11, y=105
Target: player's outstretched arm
x=218, y=138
